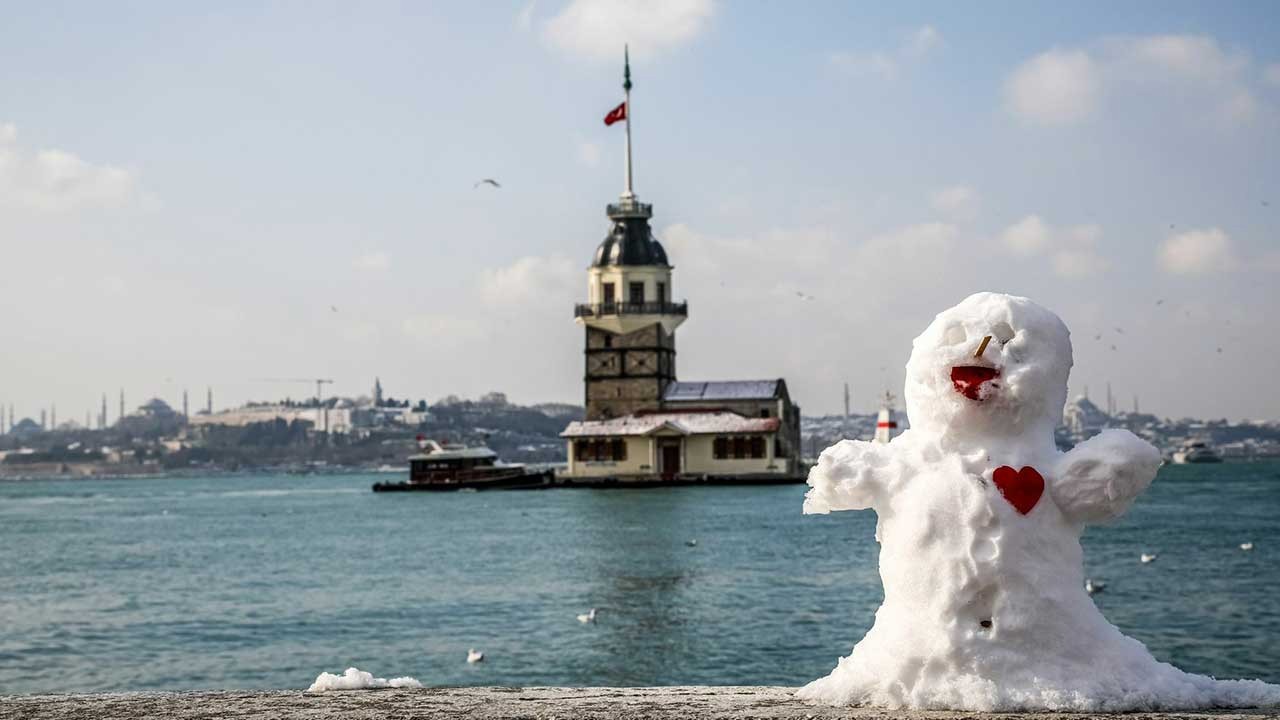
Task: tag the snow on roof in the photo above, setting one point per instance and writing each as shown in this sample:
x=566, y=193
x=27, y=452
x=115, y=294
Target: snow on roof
x=702, y=423
x=722, y=390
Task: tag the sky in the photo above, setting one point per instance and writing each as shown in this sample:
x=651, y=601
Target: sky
x=227, y=195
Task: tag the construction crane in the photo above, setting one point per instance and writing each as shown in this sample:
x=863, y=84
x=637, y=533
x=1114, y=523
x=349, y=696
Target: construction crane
x=320, y=383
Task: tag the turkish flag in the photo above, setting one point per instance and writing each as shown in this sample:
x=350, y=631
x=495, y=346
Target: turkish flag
x=617, y=114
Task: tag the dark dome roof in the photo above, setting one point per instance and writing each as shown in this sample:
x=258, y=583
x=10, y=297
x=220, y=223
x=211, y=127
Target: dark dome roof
x=630, y=243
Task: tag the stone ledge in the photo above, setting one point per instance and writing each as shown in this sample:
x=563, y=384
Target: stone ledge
x=498, y=702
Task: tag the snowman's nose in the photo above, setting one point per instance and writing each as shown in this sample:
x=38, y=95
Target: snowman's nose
x=983, y=347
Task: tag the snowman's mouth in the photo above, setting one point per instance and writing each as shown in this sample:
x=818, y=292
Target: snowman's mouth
x=969, y=380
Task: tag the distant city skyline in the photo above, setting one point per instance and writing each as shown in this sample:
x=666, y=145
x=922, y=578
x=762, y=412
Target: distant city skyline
x=199, y=201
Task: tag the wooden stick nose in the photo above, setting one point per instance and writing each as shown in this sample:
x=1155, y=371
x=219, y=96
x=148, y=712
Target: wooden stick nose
x=983, y=347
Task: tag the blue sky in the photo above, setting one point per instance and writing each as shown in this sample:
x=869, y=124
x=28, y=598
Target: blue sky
x=187, y=193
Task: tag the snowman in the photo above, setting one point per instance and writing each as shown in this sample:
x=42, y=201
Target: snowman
x=979, y=524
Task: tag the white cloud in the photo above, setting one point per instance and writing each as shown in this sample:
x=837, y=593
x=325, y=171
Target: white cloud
x=524, y=20
x=923, y=41
x=1072, y=251
x=54, y=180
x=1197, y=252
x=589, y=153
x=959, y=202
x=885, y=64
x=1057, y=87
x=599, y=28
x=1272, y=74
x=373, y=261
x=529, y=280
x=1066, y=86
x=1028, y=236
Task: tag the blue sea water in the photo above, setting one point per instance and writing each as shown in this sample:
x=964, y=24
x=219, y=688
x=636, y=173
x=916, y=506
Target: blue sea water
x=265, y=581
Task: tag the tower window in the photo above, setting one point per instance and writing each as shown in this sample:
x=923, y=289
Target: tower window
x=662, y=292
x=608, y=294
x=636, y=290
x=608, y=341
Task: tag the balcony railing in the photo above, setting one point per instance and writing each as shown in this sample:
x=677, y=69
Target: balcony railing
x=648, y=308
x=629, y=208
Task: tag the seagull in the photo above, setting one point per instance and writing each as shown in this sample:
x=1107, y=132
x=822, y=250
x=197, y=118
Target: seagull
x=588, y=617
x=802, y=296
x=486, y=181
x=1093, y=588
x=1219, y=351
x=1148, y=557
x=691, y=543
x=1246, y=546
x=333, y=308
x=1113, y=347
x=1120, y=330
x=1160, y=302
x=475, y=656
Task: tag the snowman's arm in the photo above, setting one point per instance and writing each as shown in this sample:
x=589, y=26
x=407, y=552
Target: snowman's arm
x=850, y=475
x=1099, y=478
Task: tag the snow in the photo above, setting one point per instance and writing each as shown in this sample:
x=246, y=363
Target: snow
x=984, y=607
x=356, y=679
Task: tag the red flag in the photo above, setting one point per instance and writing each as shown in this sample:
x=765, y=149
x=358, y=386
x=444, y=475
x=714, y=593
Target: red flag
x=617, y=114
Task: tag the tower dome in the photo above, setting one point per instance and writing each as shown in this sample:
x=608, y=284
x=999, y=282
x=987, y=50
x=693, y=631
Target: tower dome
x=631, y=242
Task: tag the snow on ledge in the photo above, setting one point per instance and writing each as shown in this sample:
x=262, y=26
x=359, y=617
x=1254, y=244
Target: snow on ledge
x=357, y=679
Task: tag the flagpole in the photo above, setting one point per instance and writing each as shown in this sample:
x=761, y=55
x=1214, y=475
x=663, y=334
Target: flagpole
x=626, y=87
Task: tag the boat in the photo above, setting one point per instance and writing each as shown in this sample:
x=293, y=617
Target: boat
x=1196, y=451
x=440, y=467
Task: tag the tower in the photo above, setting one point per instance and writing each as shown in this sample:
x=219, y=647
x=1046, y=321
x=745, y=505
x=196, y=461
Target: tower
x=377, y=392
x=104, y=409
x=185, y=414
x=53, y=416
x=630, y=320
x=102, y=421
x=885, y=424
x=208, y=400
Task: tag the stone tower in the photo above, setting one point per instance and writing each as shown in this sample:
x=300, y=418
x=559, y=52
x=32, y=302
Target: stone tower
x=629, y=315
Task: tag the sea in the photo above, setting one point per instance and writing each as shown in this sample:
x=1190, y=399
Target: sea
x=264, y=581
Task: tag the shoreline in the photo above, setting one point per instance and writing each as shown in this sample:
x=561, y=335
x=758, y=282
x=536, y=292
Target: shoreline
x=535, y=703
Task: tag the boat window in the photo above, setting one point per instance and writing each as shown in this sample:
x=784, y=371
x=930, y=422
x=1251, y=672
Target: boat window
x=619, y=449
x=739, y=447
x=757, y=447
x=720, y=448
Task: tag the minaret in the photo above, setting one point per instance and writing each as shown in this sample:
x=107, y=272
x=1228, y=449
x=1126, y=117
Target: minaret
x=208, y=400
x=104, y=411
x=377, y=392
x=53, y=416
x=629, y=317
x=185, y=414
x=103, y=420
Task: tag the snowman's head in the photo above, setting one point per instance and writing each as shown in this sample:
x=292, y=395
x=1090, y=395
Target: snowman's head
x=1015, y=382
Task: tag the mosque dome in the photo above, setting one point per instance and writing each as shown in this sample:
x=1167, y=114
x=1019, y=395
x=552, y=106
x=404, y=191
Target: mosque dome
x=631, y=242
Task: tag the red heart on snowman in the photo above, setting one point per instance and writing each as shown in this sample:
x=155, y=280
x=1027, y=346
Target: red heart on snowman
x=1022, y=488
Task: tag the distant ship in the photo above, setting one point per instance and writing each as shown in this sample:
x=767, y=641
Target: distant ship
x=457, y=467
x=1196, y=451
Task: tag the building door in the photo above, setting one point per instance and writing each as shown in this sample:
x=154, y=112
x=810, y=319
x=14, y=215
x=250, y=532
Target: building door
x=670, y=460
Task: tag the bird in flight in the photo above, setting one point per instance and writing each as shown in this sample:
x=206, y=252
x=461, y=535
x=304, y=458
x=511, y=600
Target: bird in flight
x=486, y=181
x=333, y=308
x=802, y=296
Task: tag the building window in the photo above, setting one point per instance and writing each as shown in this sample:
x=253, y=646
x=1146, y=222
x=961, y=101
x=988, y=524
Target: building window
x=637, y=293
x=619, y=449
x=764, y=412
x=739, y=447
x=757, y=447
x=608, y=341
x=608, y=293
x=720, y=448
x=662, y=292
